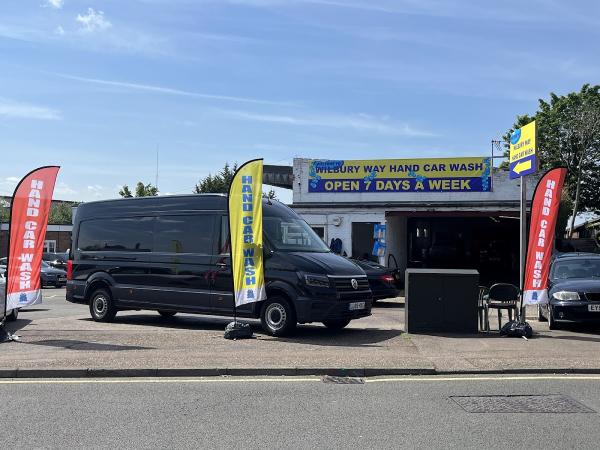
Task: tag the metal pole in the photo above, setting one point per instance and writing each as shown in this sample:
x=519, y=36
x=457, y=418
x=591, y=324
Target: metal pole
x=523, y=244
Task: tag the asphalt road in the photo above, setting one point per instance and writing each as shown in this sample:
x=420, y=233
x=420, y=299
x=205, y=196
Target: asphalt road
x=289, y=413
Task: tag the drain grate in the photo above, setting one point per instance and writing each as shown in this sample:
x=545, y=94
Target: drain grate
x=520, y=404
x=342, y=380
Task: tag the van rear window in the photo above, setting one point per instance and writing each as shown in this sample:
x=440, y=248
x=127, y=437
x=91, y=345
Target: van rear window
x=128, y=234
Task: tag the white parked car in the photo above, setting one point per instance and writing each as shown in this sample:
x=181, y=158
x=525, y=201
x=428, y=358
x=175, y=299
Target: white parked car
x=14, y=313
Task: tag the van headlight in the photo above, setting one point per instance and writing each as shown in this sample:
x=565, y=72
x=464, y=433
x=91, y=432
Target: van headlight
x=316, y=280
x=566, y=295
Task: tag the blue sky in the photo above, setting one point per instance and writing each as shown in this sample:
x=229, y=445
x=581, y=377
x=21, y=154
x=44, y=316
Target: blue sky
x=97, y=86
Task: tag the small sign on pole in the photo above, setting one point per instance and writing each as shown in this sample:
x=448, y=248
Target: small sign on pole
x=523, y=157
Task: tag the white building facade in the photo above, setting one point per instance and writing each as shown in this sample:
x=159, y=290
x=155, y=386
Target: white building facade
x=423, y=229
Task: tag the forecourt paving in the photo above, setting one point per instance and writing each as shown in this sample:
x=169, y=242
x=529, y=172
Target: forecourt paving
x=60, y=339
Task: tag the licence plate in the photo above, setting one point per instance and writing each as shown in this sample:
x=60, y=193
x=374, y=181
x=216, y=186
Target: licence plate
x=594, y=308
x=360, y=305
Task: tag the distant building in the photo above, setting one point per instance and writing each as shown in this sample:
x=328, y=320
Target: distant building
x=58, y=235
x=587, y=225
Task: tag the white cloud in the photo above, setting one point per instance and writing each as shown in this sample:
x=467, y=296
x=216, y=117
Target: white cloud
x=358, y=122
x=59, y=30
x=93, y=21
x=56, y=4
x=17, y=110
x=8, y=185
x=63, y=188
x=168, y=90
x=96, y=190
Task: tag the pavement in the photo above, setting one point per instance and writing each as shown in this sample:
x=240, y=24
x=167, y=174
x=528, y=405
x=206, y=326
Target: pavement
x=443, y=412
x=60, y=339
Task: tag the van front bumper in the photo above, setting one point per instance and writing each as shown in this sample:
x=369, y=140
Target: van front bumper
x=312, y=310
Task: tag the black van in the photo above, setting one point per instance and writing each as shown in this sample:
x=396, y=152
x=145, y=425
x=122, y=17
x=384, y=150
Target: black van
x=171, y=254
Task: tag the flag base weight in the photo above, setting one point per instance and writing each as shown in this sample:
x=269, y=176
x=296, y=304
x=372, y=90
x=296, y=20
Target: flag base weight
x=238, y=330
x=515, y=328
x=5, y=336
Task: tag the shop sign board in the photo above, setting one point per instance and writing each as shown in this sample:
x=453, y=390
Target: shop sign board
x=523, y=158
x=470, y=174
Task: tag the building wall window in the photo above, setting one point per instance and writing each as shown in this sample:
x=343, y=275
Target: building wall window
x=320, y=230
x=50, y=246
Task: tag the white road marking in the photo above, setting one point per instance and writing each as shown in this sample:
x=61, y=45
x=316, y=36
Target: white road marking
x=314, y=379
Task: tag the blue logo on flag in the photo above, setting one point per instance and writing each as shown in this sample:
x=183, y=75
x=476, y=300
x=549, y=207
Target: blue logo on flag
x=534, y=296
x=23, y=298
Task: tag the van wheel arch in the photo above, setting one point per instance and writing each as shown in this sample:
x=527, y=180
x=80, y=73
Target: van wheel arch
x=276, y=292
x=94, y=286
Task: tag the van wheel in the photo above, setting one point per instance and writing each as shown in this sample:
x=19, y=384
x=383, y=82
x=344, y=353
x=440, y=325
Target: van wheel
x=164, y=313
x=278, y=317
x=14, y=314
x=336, y=324
x=102, y=308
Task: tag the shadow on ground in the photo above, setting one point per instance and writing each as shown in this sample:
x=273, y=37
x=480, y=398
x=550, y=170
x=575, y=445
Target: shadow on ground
x=17, y=325
x=199, y=323
x=305, y=334
x=72, y=344
x=348, y=337
x=578, y=329
x=388, y=304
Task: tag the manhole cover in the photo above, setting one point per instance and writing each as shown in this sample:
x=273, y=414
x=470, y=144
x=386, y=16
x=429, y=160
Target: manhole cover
x=520, y=404
x=342, y=380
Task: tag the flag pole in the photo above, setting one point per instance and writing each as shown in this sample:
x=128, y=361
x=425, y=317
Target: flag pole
x=523, y=246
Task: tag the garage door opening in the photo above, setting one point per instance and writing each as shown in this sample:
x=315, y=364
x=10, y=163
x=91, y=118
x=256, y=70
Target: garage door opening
x=362, y=240
x=487, y=244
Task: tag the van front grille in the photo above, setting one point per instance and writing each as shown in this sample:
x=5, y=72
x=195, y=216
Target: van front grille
x=345, y=291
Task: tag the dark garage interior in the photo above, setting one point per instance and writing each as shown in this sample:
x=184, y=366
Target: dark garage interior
x=488, y=244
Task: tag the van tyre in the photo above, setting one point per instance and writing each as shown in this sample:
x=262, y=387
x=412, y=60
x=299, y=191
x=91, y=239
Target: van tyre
x=278, y=317
x=102, y=308
x=164, y=313
x=336, y=324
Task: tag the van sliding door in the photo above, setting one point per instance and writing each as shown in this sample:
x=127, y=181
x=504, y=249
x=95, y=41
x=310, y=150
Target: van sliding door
x=182, y=261
x=222, y=298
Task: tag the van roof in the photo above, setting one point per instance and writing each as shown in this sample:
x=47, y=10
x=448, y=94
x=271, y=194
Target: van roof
x=155, y=205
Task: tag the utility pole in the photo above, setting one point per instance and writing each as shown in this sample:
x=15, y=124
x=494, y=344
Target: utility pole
x=156, y=177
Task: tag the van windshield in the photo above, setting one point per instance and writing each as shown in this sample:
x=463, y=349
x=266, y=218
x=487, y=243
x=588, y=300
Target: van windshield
x=292, y=234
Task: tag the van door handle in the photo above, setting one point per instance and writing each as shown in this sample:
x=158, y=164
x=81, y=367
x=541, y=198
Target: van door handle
x=220, y=264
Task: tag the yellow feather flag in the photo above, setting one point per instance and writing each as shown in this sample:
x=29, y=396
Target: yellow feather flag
x=246, y=229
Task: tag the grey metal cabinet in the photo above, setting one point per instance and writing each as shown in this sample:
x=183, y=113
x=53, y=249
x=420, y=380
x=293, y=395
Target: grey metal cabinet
x=441, y=301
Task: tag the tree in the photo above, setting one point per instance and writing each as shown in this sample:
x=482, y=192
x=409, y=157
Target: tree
x=61, y=213
x=569, y=135
x=271, y=194
x=220, y=182
x=141, y=190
